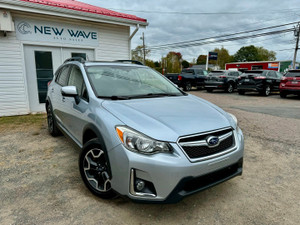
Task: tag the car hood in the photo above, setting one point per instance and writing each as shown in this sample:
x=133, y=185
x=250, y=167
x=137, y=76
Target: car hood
x=167, y=118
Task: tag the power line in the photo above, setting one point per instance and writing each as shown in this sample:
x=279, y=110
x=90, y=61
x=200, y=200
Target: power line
x=224, y=40
x=207, y=13
x=219, y=36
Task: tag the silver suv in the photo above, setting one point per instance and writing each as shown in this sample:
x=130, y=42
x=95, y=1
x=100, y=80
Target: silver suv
x=140, y=135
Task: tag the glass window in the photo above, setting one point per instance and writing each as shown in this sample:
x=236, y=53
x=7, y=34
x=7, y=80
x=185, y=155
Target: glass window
x=272, y=74
x=82, y=55
x=293, y=74
x=129, y=81
x=63, y=76
x=44, y=72
x=76, y=79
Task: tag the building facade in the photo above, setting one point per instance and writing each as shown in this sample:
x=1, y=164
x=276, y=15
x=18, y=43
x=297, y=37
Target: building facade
x=37, y=36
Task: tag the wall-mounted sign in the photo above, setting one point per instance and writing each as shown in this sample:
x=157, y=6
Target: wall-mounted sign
x=212, y=55
x=273, y=65
x=39, y=31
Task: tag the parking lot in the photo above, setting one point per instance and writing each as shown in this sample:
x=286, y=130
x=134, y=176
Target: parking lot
x=40, y=181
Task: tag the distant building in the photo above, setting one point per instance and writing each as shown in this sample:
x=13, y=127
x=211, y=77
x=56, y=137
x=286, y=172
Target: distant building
x=280, y=66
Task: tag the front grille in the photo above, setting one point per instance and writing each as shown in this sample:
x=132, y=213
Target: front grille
x=194, y=150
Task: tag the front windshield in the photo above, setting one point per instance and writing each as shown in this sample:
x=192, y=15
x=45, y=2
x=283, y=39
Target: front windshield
x=129, y=81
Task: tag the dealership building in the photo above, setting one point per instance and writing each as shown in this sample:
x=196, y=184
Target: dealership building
x=37, y=36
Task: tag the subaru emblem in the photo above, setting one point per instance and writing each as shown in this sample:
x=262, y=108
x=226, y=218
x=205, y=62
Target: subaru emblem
x=212, y=141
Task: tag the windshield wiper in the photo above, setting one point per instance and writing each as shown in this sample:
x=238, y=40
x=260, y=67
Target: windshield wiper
x=115, y=97
x=154, y=95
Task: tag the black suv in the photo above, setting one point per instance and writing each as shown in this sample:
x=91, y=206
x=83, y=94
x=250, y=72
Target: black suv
x=261, y=81
x=222, y=79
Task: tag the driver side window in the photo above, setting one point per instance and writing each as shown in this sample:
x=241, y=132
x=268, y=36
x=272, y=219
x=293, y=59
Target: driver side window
x=76, y=80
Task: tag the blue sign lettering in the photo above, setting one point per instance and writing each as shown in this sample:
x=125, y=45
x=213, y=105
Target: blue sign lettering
x=47, y=30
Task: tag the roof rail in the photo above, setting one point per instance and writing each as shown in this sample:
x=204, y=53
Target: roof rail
x=130, y=61
x=78, y=59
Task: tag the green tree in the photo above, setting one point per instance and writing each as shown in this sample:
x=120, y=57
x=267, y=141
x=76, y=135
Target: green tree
x=185, y=64
x=173, y=62
x=201, y=60
x=223, y=57
x=253, y=53
x=266, y=55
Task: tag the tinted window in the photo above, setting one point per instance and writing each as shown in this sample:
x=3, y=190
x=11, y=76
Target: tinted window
x=279, y=75
x=62, y=79
x=293, y=74
x=200, y=72
x=188, y=71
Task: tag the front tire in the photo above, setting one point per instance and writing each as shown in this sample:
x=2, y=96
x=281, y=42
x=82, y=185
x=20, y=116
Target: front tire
x=52, y=126
x=210, y=90
x=241, y=92
x=95, y=169
x=283, y=95
x=266, y=91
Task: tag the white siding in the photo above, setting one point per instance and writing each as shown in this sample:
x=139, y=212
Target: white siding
x=13, y=96
x=113, y=45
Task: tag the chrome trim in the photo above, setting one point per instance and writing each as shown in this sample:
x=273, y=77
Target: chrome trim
x=235, y=147
x=131, y=187
x=204, y=142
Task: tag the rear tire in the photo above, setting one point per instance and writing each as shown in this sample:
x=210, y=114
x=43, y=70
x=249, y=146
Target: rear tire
x=229, y=88
x=210, y=90
x=283, y=95
x=187, y=86
x=95, y=169
x=266, y=91
x=241, y=92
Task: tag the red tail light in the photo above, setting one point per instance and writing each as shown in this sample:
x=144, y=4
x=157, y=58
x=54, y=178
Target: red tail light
x=239, y=77
x=179, y=77
x=284, y=80
x=260, y=78
x=49, y=82
x=222, y=76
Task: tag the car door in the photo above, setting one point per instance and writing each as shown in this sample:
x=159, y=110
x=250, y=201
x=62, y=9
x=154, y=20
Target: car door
x=76, y=114
x=57, y=100
x=273, y=80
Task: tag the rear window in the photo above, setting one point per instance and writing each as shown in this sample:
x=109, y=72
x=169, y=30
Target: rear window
x=293, y=74
x=187, y=71
x=258, y=73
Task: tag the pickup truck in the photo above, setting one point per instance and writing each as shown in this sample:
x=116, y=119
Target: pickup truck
x=173, y=77
x=191, y=77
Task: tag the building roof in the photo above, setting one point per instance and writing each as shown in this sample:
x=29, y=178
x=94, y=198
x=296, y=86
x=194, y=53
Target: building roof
x=87, y=8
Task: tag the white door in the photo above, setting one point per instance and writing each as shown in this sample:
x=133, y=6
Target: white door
x=41, y=63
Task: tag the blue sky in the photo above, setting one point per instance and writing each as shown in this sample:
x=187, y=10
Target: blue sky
x=176, y=21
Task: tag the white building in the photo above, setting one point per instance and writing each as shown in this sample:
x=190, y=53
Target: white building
x=36, y=36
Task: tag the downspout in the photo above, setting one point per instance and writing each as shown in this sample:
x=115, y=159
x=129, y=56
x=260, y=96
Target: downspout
x=129, y=40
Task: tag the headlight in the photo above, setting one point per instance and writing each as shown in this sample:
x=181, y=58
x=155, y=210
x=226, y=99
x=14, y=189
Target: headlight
x=138, y=142
x=235, y=120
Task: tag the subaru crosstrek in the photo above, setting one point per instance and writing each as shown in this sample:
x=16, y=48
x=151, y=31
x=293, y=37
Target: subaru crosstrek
x=140, y=135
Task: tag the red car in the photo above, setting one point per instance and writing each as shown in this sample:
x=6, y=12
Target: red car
x=290, y=83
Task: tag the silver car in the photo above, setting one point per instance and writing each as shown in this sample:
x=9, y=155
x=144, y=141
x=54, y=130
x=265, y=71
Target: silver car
x=140, y=135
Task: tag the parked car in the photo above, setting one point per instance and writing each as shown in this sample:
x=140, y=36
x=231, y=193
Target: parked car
x=290, y=83
x=173, y=77
x=192, y=77
x=140, y=135
x=262, y=81
x=222, y=79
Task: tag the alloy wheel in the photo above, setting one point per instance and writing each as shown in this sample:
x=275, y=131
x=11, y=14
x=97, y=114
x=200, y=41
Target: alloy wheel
x=96, y=170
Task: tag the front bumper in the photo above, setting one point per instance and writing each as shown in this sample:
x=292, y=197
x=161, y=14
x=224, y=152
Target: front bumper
x=173, y=175
x=257, y=88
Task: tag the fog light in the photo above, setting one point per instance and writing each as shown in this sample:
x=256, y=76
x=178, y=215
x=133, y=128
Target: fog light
x=139, y=185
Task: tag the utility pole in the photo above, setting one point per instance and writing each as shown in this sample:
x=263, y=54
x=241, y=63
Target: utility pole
x=296, y=34
x=144, y=49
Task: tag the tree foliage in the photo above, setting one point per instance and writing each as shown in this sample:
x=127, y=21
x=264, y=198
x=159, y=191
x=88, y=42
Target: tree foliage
x=201, y=60
x=223, y=57
x=185, y=64
x=138, y=54
x=253, y=53
x=173, y=62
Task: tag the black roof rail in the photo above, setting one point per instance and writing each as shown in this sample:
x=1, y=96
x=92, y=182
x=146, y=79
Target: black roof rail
x=130, y=61
x=78, y=59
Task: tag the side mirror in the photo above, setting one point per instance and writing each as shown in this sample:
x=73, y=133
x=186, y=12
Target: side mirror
x=70, y=91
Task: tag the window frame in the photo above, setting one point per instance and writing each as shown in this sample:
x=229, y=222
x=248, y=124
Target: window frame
x=58, y=75
x=80, y=95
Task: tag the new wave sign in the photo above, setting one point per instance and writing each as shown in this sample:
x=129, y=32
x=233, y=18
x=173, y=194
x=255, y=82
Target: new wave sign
x=38, y=31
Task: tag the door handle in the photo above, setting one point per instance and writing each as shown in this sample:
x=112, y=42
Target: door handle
x=63, y=99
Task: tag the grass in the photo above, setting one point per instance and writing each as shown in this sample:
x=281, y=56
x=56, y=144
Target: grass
x=22, y=121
